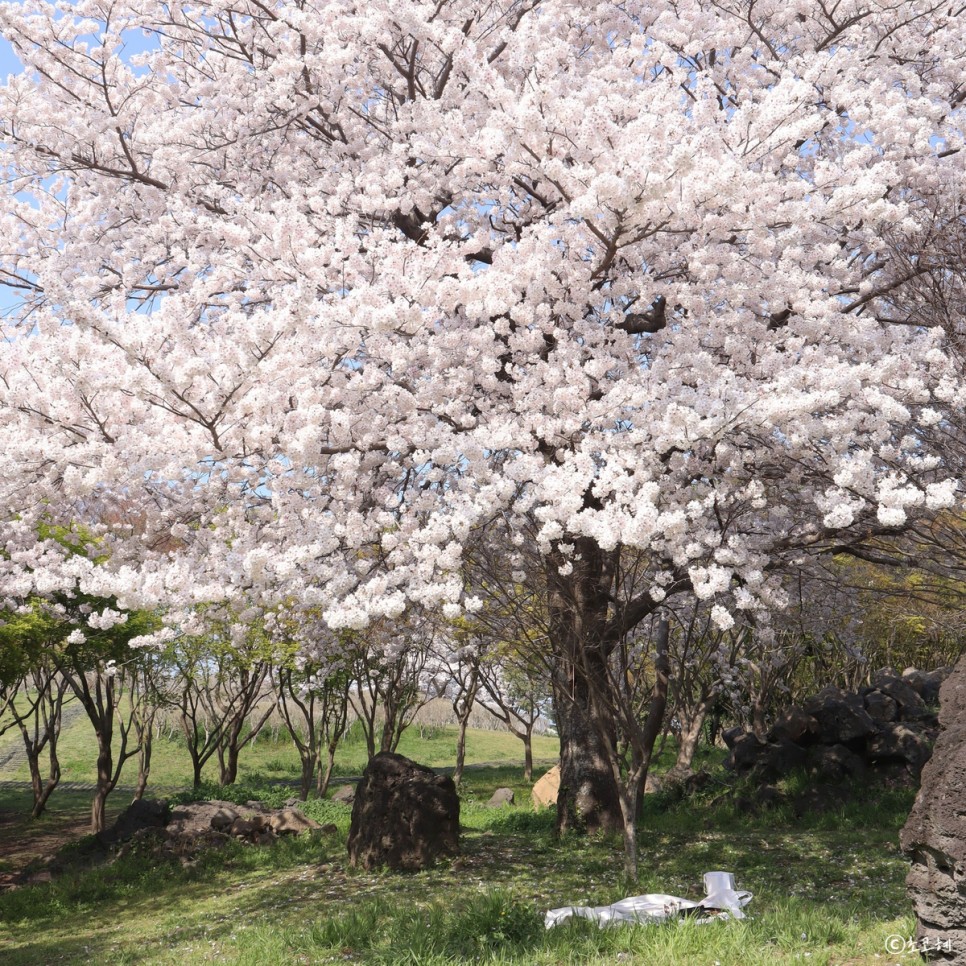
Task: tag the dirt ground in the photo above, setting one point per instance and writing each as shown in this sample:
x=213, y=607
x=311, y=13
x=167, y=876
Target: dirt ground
x=26, y=844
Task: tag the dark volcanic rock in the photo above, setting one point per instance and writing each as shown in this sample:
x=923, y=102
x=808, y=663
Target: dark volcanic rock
x=794, y=725
x=404, y=815
x=934, y=836
x=902, y=692
x=898, y=741
x=746, y=751
x=927, y=683
x=880, y=706
x=780, y=758
x=841, y=716
x=834, y=762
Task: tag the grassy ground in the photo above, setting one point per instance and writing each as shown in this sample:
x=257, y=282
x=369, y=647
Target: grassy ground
x=828, y=889
x=265, y=758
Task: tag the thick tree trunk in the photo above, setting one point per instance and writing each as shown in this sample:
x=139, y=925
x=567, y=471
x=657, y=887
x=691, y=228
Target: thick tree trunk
x=589, y=798
x=528, y=755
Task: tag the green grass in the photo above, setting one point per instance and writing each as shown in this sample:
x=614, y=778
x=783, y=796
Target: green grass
x=278, y=760
x=828, y=889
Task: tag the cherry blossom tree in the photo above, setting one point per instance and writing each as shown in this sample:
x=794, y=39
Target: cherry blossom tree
x=324, y=289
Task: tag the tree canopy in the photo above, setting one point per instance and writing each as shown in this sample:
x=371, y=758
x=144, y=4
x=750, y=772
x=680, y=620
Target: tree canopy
x=322, y=288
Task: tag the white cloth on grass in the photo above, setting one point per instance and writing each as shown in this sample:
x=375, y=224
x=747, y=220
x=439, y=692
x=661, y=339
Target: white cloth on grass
x=656, y=907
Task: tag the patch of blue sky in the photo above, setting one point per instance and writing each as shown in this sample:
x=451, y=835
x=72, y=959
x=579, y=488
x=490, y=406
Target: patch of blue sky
x=9, y=62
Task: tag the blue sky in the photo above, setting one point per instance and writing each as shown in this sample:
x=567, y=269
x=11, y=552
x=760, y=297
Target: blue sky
x=8, y=63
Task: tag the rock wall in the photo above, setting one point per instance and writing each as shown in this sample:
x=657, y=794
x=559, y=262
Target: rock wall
x=886, y=728
x=934, y=837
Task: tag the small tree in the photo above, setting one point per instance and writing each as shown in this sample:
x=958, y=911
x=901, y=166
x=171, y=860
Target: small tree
x=150, y=683
x=462, y=670
x=314, y=702
x=101, y=669
x=33, y=695
x=395, y=673
x=29, y=700
x=632, y=690
x=515, y=690
x=221, y=690
x=697, y=651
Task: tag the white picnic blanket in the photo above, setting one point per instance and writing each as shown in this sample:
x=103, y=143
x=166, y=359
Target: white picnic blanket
x=655, y=907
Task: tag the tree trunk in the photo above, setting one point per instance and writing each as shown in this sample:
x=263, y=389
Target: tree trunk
x=630, y=805
x=40, y=800
x=41, y=790
x=228, y=752
x=308, y=772
x=690, y=736
x=228, y=760
x=196, y=766
x=324, y=779
x=460, y=751
x=144, y=764
x=588, y=798
x=36, y=782
x=390, y=740
x=528, y=755
x=105, y=775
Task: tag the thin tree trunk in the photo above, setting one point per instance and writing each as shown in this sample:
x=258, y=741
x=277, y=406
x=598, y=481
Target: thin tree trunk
x=308, y=773
x=689, y=740
x=460, y=751
x=324, y=779
x=758, y=723
x=40, y=801
x=630, y=806
x=104, y=786
x=228, y=760
x=196, y=766
x=144, y=764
